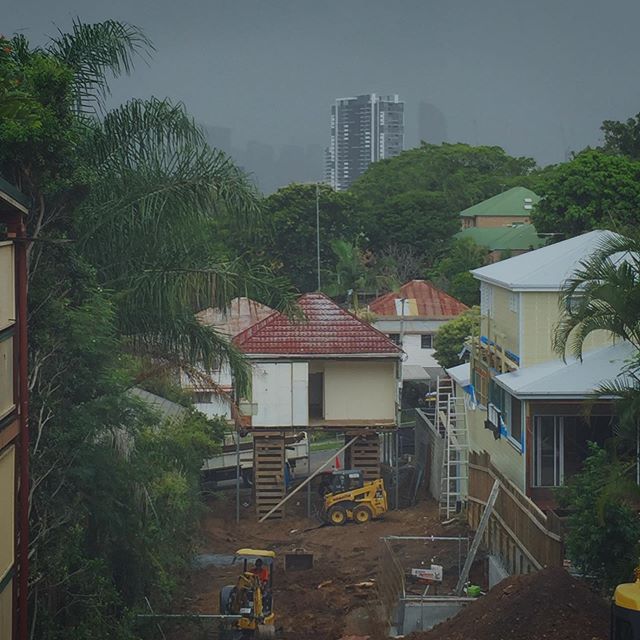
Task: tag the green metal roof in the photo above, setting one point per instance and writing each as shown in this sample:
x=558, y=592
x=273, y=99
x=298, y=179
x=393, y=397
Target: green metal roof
x=507, y=203
x=517, y=238
x=13, y=193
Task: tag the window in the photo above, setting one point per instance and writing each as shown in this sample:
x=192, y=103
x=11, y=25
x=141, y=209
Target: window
x=513, y=302
x=426, y=341
x=202, y=397
x=510, y=409
x=395, y=338
x=486, y=299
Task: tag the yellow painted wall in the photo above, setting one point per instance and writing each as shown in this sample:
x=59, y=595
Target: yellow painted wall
x=504, y=321
x=359, y=390
x=6, y=376
x=7, y=285
x=541, y=313
x=7, y=507
x=503, y=454
x=6, y=605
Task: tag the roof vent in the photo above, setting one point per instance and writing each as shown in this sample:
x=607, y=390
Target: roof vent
x=528, y=200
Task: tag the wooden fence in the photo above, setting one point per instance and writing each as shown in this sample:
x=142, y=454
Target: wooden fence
x=518, y=531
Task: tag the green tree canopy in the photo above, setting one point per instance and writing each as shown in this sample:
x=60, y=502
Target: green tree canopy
x=452, y=336
x=124, y=207
x=604, y=527
x=414, y=199
x=288, y=239
x=452, y=271
x=595, y=190
x=622, y=138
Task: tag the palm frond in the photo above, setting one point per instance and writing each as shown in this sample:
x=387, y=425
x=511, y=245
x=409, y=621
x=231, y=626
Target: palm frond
x=603, y=294
x=96, y=50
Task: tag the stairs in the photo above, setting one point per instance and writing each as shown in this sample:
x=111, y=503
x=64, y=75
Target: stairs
x=451, y=423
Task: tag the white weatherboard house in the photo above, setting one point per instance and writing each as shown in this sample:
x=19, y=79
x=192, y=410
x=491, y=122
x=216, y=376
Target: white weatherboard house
x=416, y=311
x=531, y=411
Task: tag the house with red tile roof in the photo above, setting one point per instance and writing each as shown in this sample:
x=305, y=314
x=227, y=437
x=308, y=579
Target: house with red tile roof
x=417, y=310
x=324, y=368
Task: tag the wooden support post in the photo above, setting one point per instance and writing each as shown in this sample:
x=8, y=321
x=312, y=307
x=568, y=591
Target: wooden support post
x=268, y=476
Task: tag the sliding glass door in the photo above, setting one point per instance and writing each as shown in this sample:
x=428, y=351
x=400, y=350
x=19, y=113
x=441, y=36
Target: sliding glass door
x=548, y=451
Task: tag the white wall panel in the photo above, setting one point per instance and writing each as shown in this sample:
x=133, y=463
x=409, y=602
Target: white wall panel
x=300, y=393
x=271, y=391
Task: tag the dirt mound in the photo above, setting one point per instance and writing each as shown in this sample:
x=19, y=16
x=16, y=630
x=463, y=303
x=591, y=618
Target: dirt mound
x=549, y=605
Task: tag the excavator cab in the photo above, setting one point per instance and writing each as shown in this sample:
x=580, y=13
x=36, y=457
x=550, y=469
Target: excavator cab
x=344, y=480
x=347, y=496
x=251, y=597
x=625, y=611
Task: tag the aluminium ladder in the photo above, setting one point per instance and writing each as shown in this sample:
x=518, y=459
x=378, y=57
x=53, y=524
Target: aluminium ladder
x=451, y=422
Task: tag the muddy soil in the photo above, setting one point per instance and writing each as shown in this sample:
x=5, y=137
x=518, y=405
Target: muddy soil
x=548, y=605
x=322, y=603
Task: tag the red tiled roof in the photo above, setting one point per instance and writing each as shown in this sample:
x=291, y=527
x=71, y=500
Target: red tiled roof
x=432, y=303
x=326, y=329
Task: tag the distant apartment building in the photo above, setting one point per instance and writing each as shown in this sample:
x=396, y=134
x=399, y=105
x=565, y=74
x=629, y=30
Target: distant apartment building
x=364, y=129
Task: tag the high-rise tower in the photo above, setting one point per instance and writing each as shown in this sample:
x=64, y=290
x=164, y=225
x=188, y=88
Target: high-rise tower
x=364, y=129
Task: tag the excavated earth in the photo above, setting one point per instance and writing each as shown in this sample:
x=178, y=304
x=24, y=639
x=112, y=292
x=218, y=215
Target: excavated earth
x=325, y=602
x=548, y=605
x=329, y=603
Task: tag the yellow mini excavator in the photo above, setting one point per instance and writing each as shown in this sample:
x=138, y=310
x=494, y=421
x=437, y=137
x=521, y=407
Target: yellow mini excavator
x=348, y=497
x=252, y=596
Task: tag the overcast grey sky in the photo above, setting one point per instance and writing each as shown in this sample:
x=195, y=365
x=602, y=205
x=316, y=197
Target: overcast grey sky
x=537, y=77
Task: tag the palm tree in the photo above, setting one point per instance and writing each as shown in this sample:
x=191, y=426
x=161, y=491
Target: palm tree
x=154, y=191
x=353, y=274
x=603, y=294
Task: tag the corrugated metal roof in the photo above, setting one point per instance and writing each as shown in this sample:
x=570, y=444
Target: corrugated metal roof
x=545, y=269
x=431, y=303
x=521, y=237
x=326, y=329
x=570, y=379
x=508, y=203
x=240, y=315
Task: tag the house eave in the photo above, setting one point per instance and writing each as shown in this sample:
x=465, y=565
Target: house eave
x=323, y=356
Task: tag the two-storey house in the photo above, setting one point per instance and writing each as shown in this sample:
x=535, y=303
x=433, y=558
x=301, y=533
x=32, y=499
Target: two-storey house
x=532, y=411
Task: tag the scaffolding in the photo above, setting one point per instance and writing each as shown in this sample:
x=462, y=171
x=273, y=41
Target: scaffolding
x=451, y=423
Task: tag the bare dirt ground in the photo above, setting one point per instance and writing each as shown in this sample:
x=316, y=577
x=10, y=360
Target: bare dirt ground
x=322, y=603
x=548, y=605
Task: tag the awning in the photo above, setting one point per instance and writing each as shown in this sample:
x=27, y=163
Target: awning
x=414, y=372
x=461, y=374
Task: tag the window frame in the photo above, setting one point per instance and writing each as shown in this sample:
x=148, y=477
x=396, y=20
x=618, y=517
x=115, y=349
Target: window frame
x=422, y=337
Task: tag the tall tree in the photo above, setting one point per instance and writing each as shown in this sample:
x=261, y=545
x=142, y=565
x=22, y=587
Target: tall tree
x=288, y=239
x=452, y=272
x=593, y=191
x=622, y=138
x=123, y=211
x=414, y=199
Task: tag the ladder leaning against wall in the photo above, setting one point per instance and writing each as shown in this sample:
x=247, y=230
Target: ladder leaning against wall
x=451, y=422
